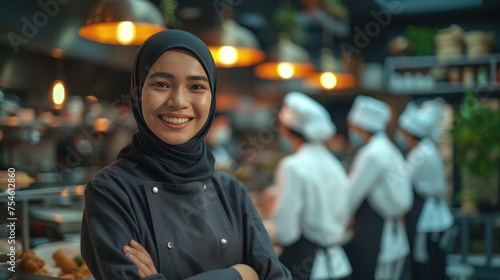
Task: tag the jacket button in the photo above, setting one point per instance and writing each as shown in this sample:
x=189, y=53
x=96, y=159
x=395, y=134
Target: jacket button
x=170, y=245
x=223, y=242
x=154, y=189
x=205, y=187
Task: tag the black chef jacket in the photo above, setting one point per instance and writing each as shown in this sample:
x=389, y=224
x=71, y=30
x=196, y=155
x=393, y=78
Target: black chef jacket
x=192, y=231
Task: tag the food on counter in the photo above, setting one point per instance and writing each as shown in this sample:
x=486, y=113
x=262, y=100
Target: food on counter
x=79, y=260
x=79, y=272
x=65, y=263
x=69, y=268
x=31, y=263
x=22, y=179
x=74, y=268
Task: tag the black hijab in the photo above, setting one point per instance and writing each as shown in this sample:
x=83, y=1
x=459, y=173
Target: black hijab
x=178, y=164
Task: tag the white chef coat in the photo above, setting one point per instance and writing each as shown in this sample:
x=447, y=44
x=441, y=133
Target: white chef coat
x=312, y=202
x=223, y=159
x=378, y=174
x=426, y=170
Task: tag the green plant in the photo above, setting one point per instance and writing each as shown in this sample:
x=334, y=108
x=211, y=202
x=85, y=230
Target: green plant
x=422, y=38
x=169, y=8
x=335, y=7
x=286, y=20
x=476, y=136
x=467, y=195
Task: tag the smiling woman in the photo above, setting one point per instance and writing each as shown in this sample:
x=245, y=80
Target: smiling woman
x=161, y=211
x=176, y=100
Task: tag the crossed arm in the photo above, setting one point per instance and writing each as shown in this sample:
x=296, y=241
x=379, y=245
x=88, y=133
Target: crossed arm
x=142, y=260
x=108, y=228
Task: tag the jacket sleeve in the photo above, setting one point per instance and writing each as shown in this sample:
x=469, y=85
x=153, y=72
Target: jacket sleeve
x=394, y=197
x=426, y=170
x=289, y=205
x=224, y=274
x=364, y=173
x=258, y=249
x=108, y=224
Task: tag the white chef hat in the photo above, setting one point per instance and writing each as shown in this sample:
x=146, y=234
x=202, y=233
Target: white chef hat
x=307, y=117
x=413, y=122
x=423, y=121
x=435, y=109
x=369, y=113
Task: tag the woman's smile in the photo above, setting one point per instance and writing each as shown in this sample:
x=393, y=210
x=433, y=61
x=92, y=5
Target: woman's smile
x=175, y=122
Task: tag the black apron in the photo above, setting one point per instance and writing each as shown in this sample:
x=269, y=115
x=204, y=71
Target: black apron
x=364, y=247
x=435, y=266
x=299, y=259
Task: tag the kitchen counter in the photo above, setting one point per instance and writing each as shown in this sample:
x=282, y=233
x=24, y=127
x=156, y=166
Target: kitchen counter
x=37, y=191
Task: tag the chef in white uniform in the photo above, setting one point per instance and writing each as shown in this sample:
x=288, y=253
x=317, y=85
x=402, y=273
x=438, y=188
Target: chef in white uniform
x=380, y=194
x=430, y=217
x=310, y=214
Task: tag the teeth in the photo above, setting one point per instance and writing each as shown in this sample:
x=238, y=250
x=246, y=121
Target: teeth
x=174, y=120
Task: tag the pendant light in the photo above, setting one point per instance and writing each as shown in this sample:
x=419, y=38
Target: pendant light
x=58, y=91
x=332, y=76
x=122, y=22
x=232, y=45
x=287, y=60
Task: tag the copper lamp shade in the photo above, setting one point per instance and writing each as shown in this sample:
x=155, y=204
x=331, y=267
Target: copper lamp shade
x=287, y=61
x=122, y=22
x=232, y=45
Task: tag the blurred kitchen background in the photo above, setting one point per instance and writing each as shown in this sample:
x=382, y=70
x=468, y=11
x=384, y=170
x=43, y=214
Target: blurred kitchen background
x=64, y=98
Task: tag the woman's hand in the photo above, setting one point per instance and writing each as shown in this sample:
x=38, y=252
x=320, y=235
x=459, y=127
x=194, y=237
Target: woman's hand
x=145, y=265
x=141, y=259
x=246, y=272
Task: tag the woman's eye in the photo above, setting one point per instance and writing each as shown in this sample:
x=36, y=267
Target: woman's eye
x=197, y=87
x=160, y=84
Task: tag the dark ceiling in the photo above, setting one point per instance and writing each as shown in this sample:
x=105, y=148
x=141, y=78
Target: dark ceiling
x=27, y=57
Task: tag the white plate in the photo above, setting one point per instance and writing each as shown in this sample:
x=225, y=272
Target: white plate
x=45, y=252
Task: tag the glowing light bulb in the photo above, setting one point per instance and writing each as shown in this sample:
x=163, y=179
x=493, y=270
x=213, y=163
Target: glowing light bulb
x=328, y=80
x=227, y=55
x=102, y=124
x=286, y=70
x=125, y=32
x=58, y=93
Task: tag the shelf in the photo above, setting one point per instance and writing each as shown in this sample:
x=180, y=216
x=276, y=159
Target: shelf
x=14, y=122
x=412, y=62
x=413, y=75
x=450, y=88
x=41, y=191
x=37, y=192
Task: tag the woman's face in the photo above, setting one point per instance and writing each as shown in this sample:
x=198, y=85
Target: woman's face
x=176, y=97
